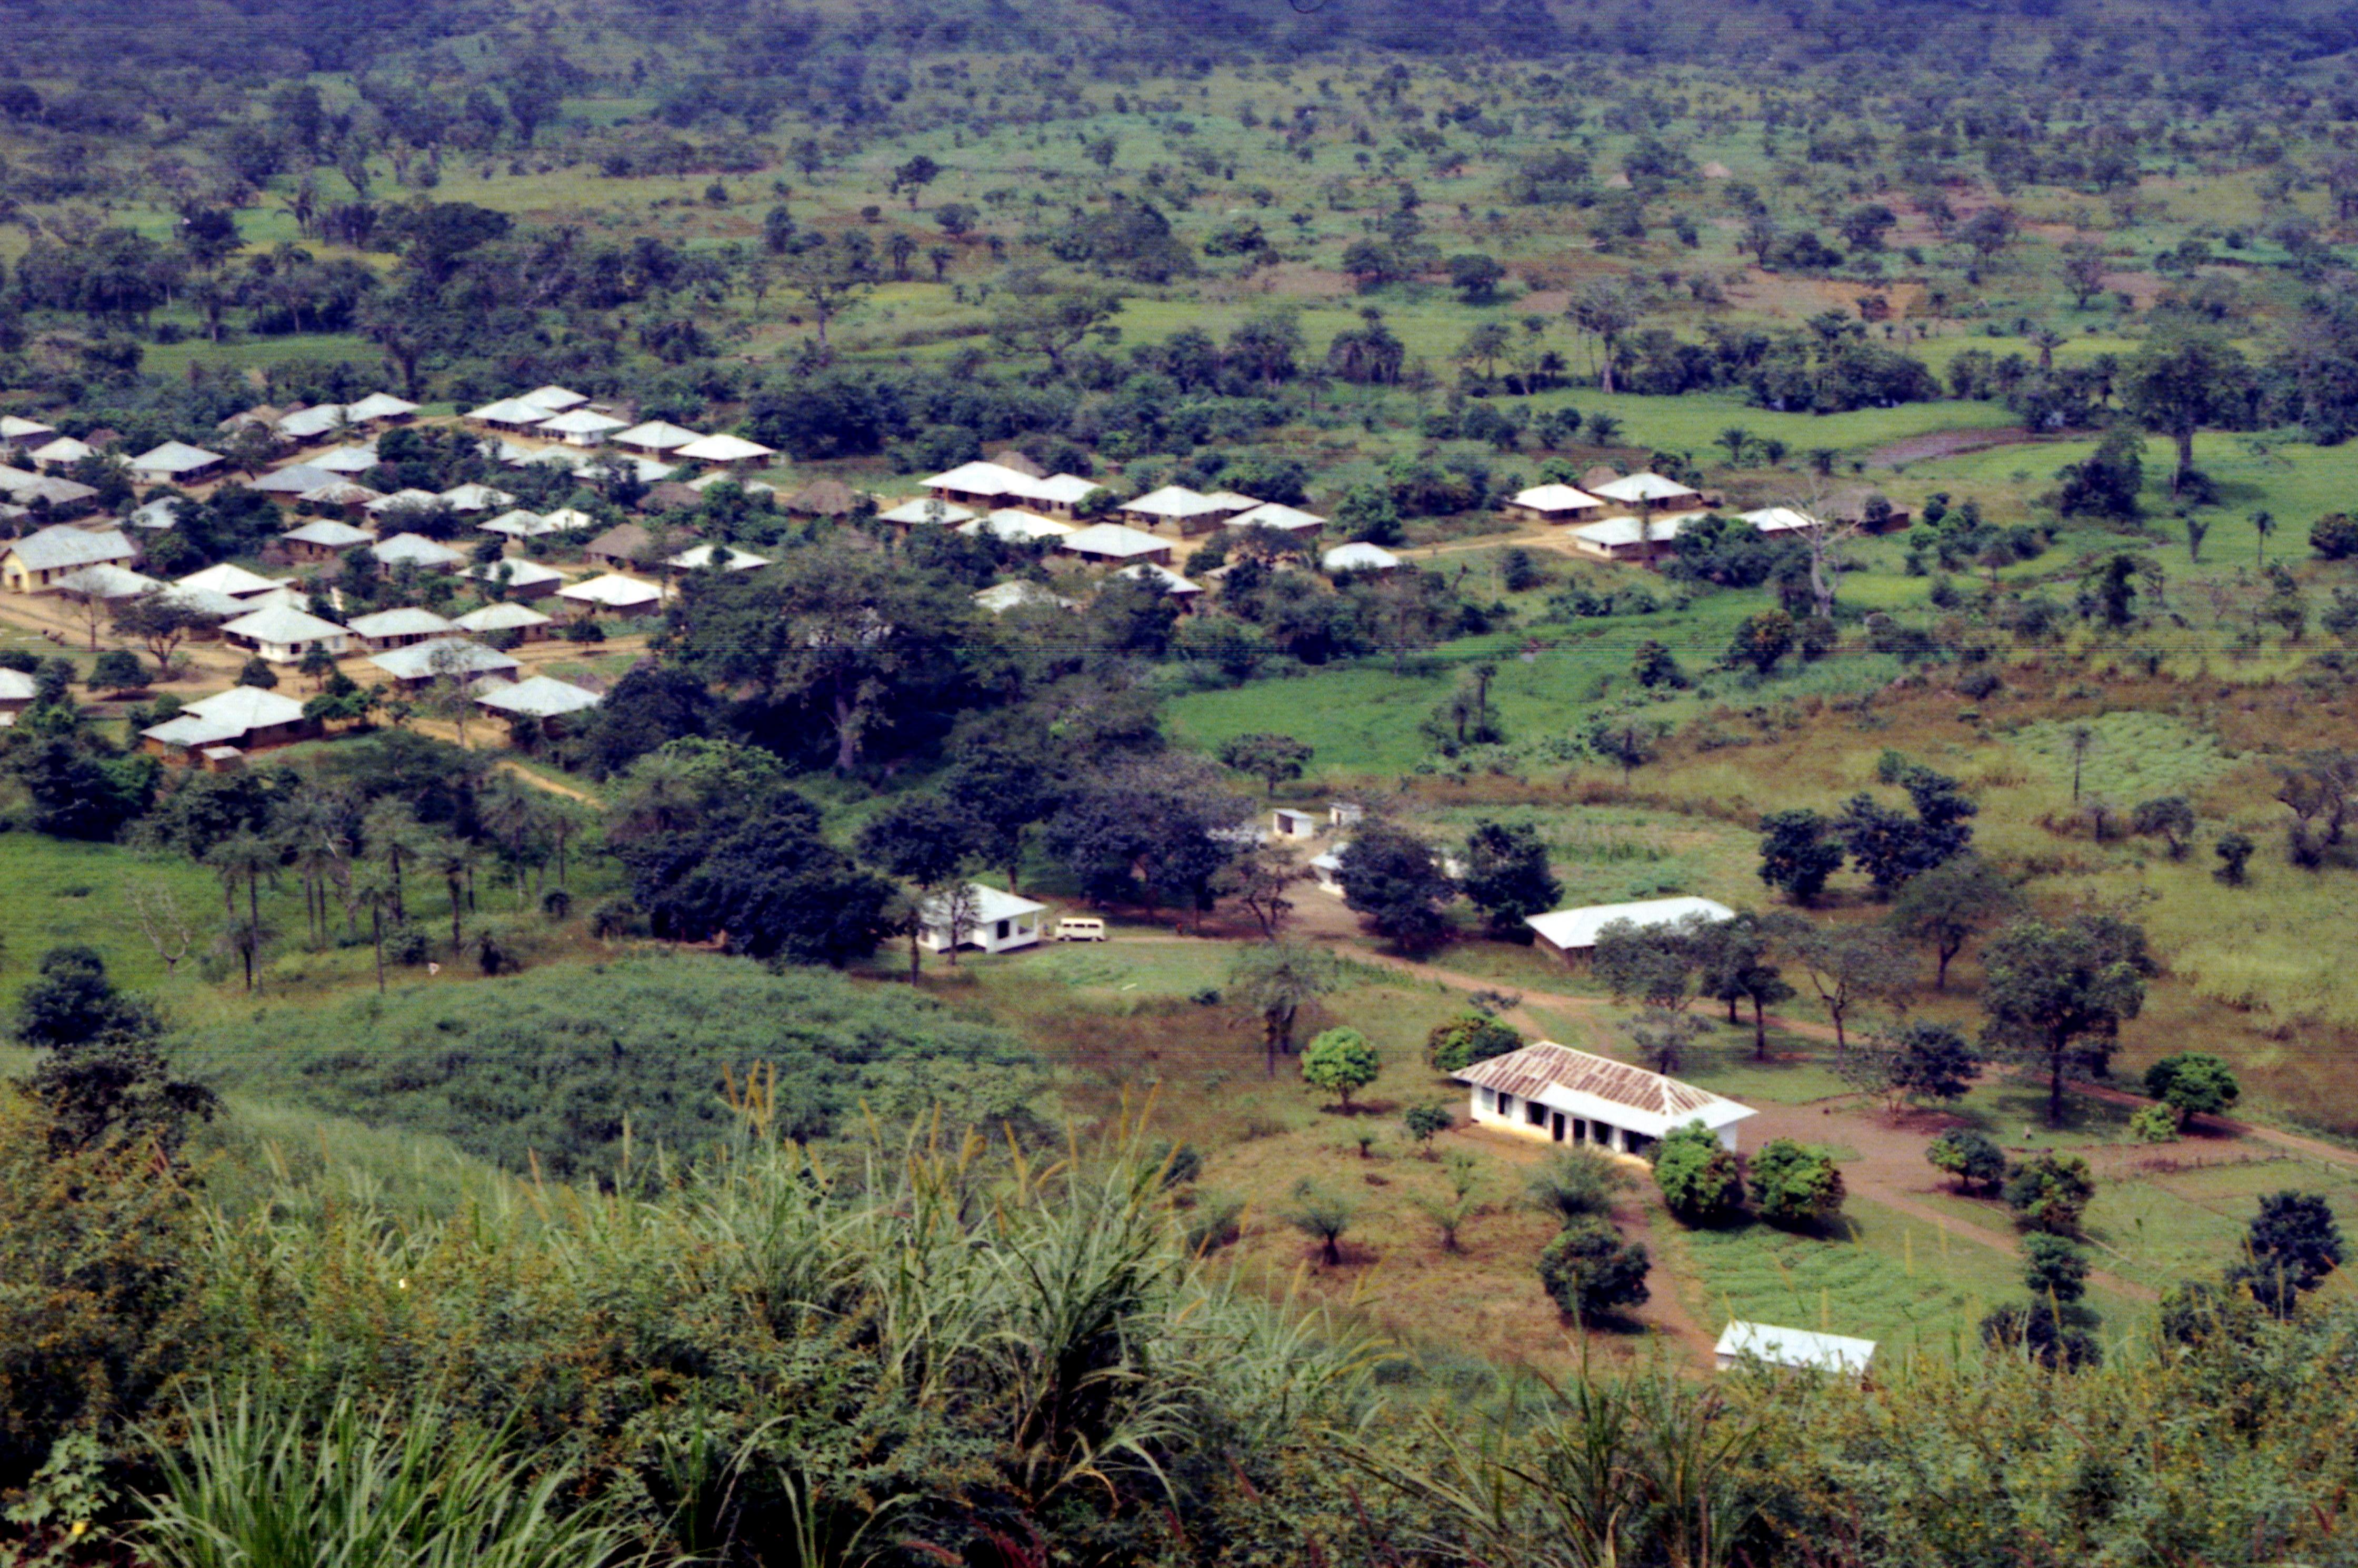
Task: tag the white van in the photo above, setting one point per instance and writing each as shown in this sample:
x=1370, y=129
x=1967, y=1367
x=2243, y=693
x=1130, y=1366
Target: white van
x=1080, y=928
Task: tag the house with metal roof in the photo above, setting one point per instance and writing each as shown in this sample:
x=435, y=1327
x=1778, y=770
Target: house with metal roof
x=231, y=579
x=379, y=408
x=175, y=461
x=396, y=628
x=553, y=399
x=978, y=915
x=34, y=562
x=416, y=550
x=282, y=634
x=518, y=578
x=1639, y=539
x=244, y=716
x=1285, y=519
x=1020, y=593
x=511, y=414
x=1104, y=542
x=475, y=498
x=1797, y=1349
x=1061, y=493
x=65, y=497
x=503, y=616
x=1565, y=932
x=928, y=511
x=1018, y=527
x=581, y=427
x=729, y=451
x=438, y=658
x=1359, y=556
x=1175, y=506
x=20, y=434
x=979, y=485
x=1557, y=504
x=613, y=591
x=350, y=496
x=1182, y=590
x=105, y=580
x=657, y=435
x=1779, y=520
x=306, y=424
x=63, y=452
x=518, y=525
x=405, y=501
x=541, y=700
x=695, y=557
x=294, y=480
x=346, y=460
x=323, y=539
x=1650, y=491
x=1554, y=1094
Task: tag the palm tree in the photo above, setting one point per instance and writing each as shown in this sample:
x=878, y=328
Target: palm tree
x=453, y=859
x=390, y=830
x=1735, y=438
x=242, y=858
x=373, y=886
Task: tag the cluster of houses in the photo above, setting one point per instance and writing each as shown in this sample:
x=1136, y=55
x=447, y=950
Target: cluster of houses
x=1636, y=517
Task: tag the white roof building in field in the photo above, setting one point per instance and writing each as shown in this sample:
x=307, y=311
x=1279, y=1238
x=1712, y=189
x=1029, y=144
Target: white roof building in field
x=175, y=460
x=982, y=483
x=566, y=520
x=1017, y=526
x=344, y=493
x=518, y=525
x=231, y=579
x=18, y=431
x=1557, y=504
x=1566, y=931
x=657, y=435
x=928, y=511
x=1626, y=539
x=613, y=591
x=723, y=450
x=310, y=424
x=540, y=696
x=1800, y=1349
x=1062, y=492
x=405, y=501
x=397, y=628
x=39, y=559
x=295, y=480
x=1285, y=519
x=1172, y=503
x=1554, y=1092
x=978, y=915
x=580, y=427
x=327, y=533
x=283, y=634
x=1648, y=489
x=1115, y=541
x=443, y=657
x=1358, y=556
x=376, y=406
x=1779, y=520
x=511, y=413
x=416, y=550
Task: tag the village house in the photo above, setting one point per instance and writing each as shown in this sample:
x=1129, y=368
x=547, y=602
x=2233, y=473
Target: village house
x=1650, y=492
x=517, y=577
x=926, y=512
x=294, y=480
x=31, y=563
x=1779, y=520
x=1326, y=870
x=1018, y=527
x=1061, y=494
x=1288, y=822
x=725, y=451
x=16, y=692
x=442, y=659
x=1020, y=593
x=979, y=916
x=21, y=435
x=1103, y=543
x=476, y=498
x=1182, y=592
x=695, y=557
x=242, y=718
x=1556, y=504
x=983, y=486
x=416, y=550
x=580, y=427
x=396, y=628
x=282, y=634
x=1638, y=539
x=824, y=498
x=657, y=435
x=344, y=495
x=105, y=581
x=1793, y=1349
x=1175, y=506
x=63, y=452
x=611, y=594
x=175, y=462
x=522, y=623
x=1279, y=518
x=1552, y=1093
x=1565, y=932
x=542, y=701
x=381, y=408
x=511, y=414
x=1359, y=556
x=231, y=579
x=624, y=544
x=322, y=540
x=63, y=497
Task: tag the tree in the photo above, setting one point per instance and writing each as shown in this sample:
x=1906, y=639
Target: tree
x=1657, y=964
x=1395, y=879
x=1915, y=1061
x=1458, y=1042
x=1272, y=758
x=2049, y=1191
x=1426, y=1122
x=1968, y=1154
x=1653, y=665
x=2334, y=537
x=1323, y=1215
x=1660, y=1039
x=2056, y=1328
x=1736, y=967
x=762, y=876
x=827, y=278
x=118, y=672
x=256, y=672
x=1761, y=641
x=2170, y=817
x=2294, y=1242
x=1590, y=1273
x=926, y=840
x=1629, y=743
x=1701, y=1180
x=1277, y=980
x=1003, y=793
x=1476, y=278
x=1052, y=324
x=1604, y=309
x=2084, y=271
x=2057, y=992
x=159, y=623
x=2183, y=381
x=1577, y=1182
x=914, y=176
x=1795, y=1184
x=102, y=1074
x=1848, y=965
x=1342, y=1061
x=1507, y=877
x=2234, y=851
x=1798, y=853
x=2193, y=1082
x=1949, y=906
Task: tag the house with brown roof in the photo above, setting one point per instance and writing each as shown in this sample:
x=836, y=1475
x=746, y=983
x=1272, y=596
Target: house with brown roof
x=1551, y=1092
x=620, y=545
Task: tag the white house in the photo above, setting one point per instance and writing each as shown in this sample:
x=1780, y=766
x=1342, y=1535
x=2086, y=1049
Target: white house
x=233, y=580
x=1626, y=538
x=1557, y=504
x=1567, y=931
x=1290, y=824
x=282, y=634
x=390, y=629
x=1186, y=509
x=1326, y=870
x=657, y=435
x=416, y=550
x=32, y=563
x=457, y=658
x=174, y=462
x=1800, y=1349
x=726, y=450
x=1653, y=491
x=1359, y=556
x=926, y=511
x=1779, y=520
x=613, y=591
x=982, y=917
x=553, y=399
x=512, y=414
x=1018, y=527
x=580, y=427
x=1555, y=1094
x=1102, y=542
x=1274, y=514
x=505, y=615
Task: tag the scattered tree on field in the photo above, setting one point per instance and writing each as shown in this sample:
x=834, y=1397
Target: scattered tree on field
x=2057, y=992
x=1342, y=1061
x=1590, y=1273
x=1793, y=1184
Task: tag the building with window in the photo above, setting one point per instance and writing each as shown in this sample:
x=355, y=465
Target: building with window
x=1554, y=1093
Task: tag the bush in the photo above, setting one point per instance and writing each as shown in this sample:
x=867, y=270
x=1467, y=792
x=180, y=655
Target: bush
x=1468, y=1038
x=2193, y=1082
x=2049, y=1191
x=2153, y=1124
x=1795, y=1184
x=2334, y=537
x=1701, y=1180
x=1578, y=1184
x=1341, y=1060
x=1589, y=1271
x=116, y=670
x=1968, y=1154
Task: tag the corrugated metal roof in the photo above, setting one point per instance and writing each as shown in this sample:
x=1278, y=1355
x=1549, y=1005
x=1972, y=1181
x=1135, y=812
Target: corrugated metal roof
x=1544, y=1065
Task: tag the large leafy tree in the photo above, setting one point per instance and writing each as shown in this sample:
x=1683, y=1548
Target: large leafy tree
x=1798, y=853
x=1395, y=879
x=1949, y=906
x=2183, y=381
x=102, y=1074
x=1507, y=877
x=2294, y=1243
x=2057, y=992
